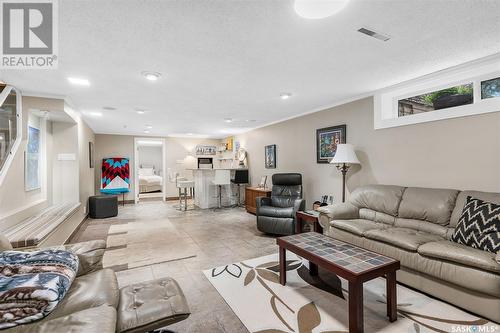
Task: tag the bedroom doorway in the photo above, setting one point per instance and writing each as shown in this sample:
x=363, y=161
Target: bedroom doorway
x=149, y=169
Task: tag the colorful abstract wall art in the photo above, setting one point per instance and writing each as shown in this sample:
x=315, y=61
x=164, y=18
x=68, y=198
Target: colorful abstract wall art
x=115, y=175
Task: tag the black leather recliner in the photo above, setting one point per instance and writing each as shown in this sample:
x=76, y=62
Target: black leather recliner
x=276, y=215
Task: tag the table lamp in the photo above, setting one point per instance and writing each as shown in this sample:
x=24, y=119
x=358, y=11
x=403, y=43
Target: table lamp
x=343, y=159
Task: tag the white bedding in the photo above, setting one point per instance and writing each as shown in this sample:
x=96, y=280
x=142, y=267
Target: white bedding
x=150, y=180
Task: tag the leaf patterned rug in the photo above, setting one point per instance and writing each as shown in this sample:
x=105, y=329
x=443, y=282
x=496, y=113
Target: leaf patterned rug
x=318, y=304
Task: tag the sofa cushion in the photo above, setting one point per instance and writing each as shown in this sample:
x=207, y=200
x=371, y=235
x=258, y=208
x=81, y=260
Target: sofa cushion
x=428, y=204
x=479, y=225
x=465, y=276
x=461, y=254
x=369, y=214
x=381, y=198
x=424, y=226
x=462, y=197
x=88, y=291
x=276, y=211
x=408, y=239
x=357, y=226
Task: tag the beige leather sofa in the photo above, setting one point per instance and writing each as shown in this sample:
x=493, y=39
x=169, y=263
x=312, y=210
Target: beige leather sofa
x=94, y=303
x=414, y=225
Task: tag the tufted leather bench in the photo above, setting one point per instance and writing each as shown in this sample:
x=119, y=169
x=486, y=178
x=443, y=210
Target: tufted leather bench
x=150, y=305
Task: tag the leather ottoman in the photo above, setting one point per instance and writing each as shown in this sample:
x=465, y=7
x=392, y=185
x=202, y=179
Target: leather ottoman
x=151, y=305
x=103, y=206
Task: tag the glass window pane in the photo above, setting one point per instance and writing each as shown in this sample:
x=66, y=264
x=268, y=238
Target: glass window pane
x=439, y=99
x=490, y=88
x=8, y=126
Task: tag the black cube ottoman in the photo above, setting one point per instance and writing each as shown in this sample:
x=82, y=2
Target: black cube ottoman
x=102, y=206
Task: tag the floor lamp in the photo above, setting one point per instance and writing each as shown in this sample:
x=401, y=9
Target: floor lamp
x=343, y=159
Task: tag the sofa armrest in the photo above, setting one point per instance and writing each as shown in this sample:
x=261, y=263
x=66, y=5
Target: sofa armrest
x=340, y=211
x=89, y=254
x=497, y=258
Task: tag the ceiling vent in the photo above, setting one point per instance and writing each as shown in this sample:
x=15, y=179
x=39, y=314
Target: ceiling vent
x=374, y=34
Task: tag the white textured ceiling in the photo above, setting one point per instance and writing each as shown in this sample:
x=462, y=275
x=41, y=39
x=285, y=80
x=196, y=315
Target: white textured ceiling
x=232, y=58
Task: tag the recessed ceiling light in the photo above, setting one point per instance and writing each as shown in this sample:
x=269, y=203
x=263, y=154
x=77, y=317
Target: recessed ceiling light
x=149, y=126
x=189, y=134
x=285, y=95
x=146, y=131
x=109, y=108
x=151, y=76
x=228, y=120
x=95, y=114
x=140, y=111
x=79, y=81
x=318, y=9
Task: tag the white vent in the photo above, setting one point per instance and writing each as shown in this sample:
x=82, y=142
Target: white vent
x=374, y=34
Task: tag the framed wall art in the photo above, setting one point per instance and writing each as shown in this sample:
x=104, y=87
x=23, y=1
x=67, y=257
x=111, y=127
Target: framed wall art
x=270, y=156
x=327, y=140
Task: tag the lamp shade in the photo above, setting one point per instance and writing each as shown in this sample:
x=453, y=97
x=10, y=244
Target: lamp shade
x=345, y=154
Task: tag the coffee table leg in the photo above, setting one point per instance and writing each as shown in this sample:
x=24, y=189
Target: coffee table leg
x=282, y=265
x=391, y=296
x=298, y=225
x=313, y=269
x=355, y=307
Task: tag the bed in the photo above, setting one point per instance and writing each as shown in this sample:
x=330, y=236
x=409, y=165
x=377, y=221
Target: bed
x=148, y=181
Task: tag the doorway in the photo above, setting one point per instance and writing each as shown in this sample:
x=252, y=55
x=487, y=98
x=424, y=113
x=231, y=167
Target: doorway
x=149, y=156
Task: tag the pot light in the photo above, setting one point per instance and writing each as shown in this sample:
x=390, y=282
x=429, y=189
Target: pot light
x=318, y=9
x=190, y=134
x=141, y=112
x=147, y=132
x=78, y=81
x=95, y=114
x=149, y=126
x=151, y=76
x=228, y=120
x=285, y=95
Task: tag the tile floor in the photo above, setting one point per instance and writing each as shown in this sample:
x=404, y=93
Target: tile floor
x=221, y=237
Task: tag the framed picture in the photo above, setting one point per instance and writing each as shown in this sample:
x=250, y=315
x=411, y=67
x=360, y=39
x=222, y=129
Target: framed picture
x=263, y=181
x=270, y=156
x=327, y=140
x=32, y=160
x=91, y=154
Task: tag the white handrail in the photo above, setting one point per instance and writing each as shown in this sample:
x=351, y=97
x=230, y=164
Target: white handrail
x=19, y=128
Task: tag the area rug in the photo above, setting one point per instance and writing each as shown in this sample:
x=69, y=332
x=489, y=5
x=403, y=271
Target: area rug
x=137, y=244
x=319, y=304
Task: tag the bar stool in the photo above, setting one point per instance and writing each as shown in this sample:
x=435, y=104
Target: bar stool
x=222, y=177
x=183, y=184
x=240, y=177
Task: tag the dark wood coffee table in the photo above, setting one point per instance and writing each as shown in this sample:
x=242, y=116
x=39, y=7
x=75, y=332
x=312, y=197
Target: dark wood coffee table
x=353, y=263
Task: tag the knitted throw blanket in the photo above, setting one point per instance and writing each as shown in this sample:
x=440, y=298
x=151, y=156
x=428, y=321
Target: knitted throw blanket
x=33, y=283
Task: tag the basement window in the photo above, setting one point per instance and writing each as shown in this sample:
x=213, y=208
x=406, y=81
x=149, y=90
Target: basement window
x=465, y=90
x=436, y=100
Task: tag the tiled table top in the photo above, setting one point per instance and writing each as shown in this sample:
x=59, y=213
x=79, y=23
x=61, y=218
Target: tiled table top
x=345, y=255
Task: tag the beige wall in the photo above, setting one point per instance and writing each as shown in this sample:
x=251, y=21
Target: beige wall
x=177, y=157
x=461, y=153
x=16, y=204
x=114, y=146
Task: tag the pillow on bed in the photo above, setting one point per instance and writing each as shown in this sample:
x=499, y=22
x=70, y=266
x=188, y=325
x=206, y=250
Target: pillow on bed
x=146, y=172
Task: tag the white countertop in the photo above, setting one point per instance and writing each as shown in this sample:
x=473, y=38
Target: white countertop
x=194, y=169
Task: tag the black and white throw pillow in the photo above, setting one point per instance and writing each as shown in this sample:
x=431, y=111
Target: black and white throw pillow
x=479, y=225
